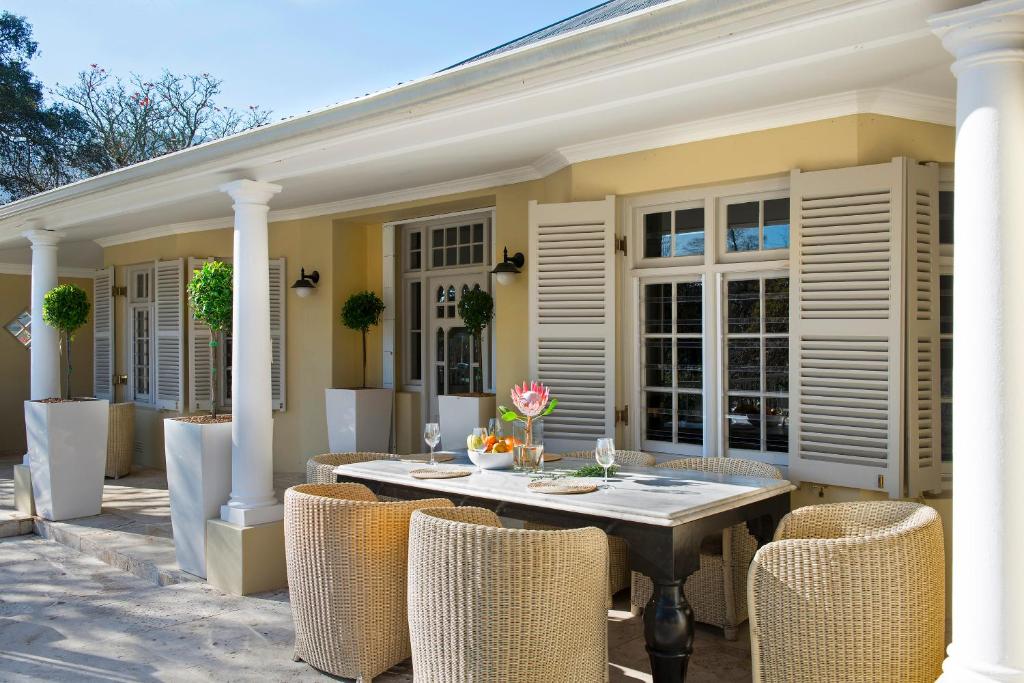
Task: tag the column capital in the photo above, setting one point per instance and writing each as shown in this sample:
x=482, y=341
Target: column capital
x=987, y=33
x=42, y=238
x=250, y=191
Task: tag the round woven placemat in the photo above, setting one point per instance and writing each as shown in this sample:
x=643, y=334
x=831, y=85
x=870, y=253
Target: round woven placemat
x=440, y=473
x=425, y=458
x=559, y=487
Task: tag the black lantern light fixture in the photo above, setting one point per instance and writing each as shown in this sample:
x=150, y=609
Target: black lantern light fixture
x=506, y=271
x=305, y=285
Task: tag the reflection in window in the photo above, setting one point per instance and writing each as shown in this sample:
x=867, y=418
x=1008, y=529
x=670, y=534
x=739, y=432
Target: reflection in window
x=460, y=360
x=21, y=328
x=760, y=225
x=946, y=365
x=674, y=233
x=458, y=245
x=415, y=333
x=415, y=250
x=741, y=228
x=945, y=217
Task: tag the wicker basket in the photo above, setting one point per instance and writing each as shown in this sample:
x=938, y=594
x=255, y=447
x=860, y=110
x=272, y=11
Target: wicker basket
x=494, y=605
x=120, y=439
x=850, y=592
x=347, y=564
x=717, y=591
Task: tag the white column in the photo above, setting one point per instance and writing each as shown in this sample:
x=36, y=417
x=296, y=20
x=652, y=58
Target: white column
x=252, y=424
x=988, y=358
x=45, y=349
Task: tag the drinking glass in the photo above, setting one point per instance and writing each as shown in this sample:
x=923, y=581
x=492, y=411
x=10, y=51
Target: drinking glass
x=494, y=427
x=432, y=435
x=482, y=433
x=605, y=455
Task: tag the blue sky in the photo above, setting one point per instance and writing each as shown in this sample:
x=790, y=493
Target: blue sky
x=287, y=55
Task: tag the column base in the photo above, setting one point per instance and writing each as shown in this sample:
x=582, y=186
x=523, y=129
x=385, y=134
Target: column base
x=24, y=502
x=242, y=560
x=252, y=516
x=957, y=670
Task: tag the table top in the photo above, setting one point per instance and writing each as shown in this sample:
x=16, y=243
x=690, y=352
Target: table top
x=647, y=495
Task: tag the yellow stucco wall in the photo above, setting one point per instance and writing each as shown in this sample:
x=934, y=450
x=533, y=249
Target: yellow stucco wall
x=15, y=297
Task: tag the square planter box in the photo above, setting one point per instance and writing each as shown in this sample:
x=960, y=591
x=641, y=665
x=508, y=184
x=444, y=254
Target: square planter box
x=199, y=482
x=460, y=414
x=358, y=420
x=67, y=449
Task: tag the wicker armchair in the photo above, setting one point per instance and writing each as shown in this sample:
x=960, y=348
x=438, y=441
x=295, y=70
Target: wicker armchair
x=491, y=605
x=320, y=468
x=621, y=457
x=717, y=591
x=850, y=592
x=347, y=563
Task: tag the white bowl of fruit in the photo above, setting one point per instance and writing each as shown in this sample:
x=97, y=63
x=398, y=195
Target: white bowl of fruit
x=490, y=452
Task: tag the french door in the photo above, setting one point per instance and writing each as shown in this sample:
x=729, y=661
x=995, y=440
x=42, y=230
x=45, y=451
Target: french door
x=452, y=358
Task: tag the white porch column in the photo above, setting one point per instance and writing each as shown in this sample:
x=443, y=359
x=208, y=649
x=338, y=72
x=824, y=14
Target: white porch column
x=987, y=40
x=44, y=352
x=252, y=424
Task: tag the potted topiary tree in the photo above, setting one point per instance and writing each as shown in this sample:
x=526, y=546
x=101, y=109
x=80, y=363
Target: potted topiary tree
x=198, y=447
x=67, y=437
x=359, y=419
x=459, y=414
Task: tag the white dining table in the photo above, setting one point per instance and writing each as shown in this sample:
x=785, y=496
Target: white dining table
x=663, y=514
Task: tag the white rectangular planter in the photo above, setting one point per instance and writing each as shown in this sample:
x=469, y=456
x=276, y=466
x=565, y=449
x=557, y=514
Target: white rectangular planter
x=358, y=420
x=459, y=415
x=199, y=482
x=67, y=449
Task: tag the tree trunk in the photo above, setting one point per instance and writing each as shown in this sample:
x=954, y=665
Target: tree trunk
x=364, y=360
x=214, y=341
x=478, y=357
x=67, y=363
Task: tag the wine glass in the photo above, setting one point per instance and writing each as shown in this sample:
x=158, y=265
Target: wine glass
x=482, y=434
x=605, y=455
x=432, y=435
x=493, y=427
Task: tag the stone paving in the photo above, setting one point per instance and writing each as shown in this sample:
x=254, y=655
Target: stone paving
x=67, y=615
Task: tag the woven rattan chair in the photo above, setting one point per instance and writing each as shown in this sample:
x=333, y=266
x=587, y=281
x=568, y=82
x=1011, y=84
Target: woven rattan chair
x=717, y=591
x=347, y=562
x=850, y=592
x=492, y=605
x=320, y=468
x=618, y=550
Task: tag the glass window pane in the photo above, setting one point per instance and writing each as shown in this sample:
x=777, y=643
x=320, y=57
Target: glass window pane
x=744, y=364
x=414, y=260
x=776, y=305
x=689, y=308
x=440, y=295
x=744, y=422
x=478, y=253
x=742, y=227
x=439, y=379
x=451, y=292
x=440, y=345
x=947, y=432
x=415, y=307
x=464, y=234
x=439, y=311
x=451, y=311
x=945, y=217
x=459, y=344
x=414, y=241
x=776, y=365
x=946, y=304
x=689, y=364
x=415, y=356
x=438, y=258
x=776, y=223
x=438, y=238
x=658, y=362
x=776, y=427
x=463, y=255
x=658, y=308
x=658, y=416
x=689, y=232
x=744, y=306
x=451, y=237
x=478, y=232
x=691, y=419
x=946, y=368
x=451, y=256
x=657, y=234
x=24, y=318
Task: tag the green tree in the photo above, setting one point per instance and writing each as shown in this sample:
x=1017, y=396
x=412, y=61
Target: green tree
x=476, y=308
x=362, y=311
x=42, y=146
x=210, y=295
x=66, y=308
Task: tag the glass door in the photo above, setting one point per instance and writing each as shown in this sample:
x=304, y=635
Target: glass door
x=452, y=357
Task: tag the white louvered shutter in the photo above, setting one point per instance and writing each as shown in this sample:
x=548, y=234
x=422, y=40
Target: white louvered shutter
x=924, y=458
x=169, y=305
x=572, y=318
x=200, y=355
x=102, y=334
x=846, y=273
x=277, y=333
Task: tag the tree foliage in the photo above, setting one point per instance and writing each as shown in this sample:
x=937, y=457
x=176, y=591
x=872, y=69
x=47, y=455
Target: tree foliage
x=476, y=308
x=66, y=309
x=360, y=312
x=211, y=297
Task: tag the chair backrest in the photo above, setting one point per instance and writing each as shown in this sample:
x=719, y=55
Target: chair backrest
x=621, y=457
x=729, y=466
x=320, y=468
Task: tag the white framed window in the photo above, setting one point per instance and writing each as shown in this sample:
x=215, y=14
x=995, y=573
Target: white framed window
x=140, y=334
x=21, y=328
x=674, y=232
x=753, y=227
x=459, y=244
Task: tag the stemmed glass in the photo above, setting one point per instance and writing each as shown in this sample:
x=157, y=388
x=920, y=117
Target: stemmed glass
x=482, y=434
x=493, y=427
x=605, y=455
x=432, y=435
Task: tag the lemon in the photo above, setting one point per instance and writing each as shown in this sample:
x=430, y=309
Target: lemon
x=474, y=442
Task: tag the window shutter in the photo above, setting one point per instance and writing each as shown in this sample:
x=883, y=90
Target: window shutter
x=924, y=457
x=277, y=332
x=169, y=352
x=572, y=318
x=102, y=334
x=200, y=354
x=846, y=274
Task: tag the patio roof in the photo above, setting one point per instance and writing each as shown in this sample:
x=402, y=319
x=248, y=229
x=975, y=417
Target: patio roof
x=676, y=72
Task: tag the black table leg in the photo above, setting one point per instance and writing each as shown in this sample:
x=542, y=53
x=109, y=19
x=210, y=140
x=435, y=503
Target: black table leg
x=668, y=630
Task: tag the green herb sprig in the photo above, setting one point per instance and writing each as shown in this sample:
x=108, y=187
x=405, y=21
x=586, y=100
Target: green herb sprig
x=594, y=471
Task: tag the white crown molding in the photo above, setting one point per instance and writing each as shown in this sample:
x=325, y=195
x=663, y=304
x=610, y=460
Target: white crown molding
x=26, y=269
x=550, y=163
x=164, y=231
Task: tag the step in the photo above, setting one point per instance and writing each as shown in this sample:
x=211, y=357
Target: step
x=14, y=523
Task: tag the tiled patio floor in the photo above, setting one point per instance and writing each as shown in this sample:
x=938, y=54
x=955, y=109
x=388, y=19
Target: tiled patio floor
x=70, y=615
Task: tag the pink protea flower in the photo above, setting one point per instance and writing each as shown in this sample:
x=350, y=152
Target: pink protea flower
x=531, y=399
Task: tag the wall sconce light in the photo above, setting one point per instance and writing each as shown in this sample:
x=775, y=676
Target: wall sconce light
x=305, y=285
x=506, y=271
